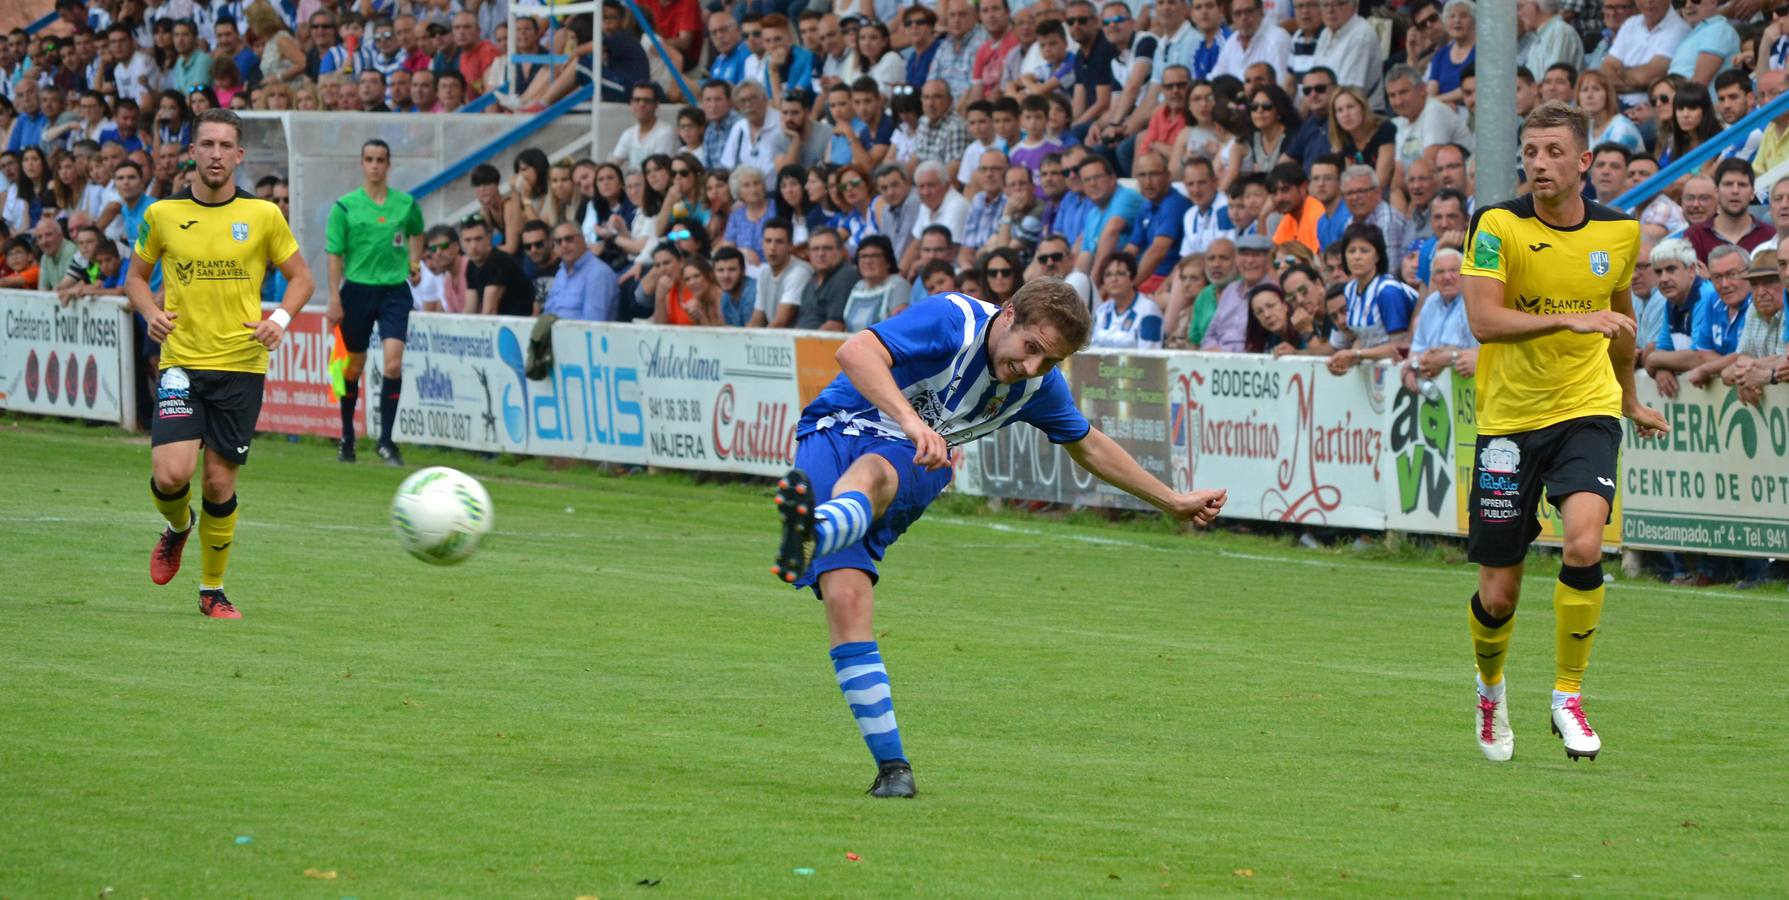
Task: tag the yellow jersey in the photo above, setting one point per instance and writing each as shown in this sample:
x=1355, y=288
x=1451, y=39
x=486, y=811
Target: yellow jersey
x=214, y=257
x=1532, y=383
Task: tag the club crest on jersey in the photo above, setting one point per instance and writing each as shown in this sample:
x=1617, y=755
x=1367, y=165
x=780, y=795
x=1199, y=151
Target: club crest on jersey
x=239, y=231
x=1599, y=262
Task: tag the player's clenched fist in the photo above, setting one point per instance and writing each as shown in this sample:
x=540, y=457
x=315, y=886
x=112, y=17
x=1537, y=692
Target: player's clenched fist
x=161, y=324
x=267, y=332
x=1199, y=507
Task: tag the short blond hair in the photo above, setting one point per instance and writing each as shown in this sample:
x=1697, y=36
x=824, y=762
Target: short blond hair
x=1051, y=301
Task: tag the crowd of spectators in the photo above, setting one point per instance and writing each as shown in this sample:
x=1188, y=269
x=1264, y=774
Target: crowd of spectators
x=1289, y=177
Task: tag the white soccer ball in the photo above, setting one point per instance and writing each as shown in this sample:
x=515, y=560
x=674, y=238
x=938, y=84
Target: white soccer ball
x=440, y=514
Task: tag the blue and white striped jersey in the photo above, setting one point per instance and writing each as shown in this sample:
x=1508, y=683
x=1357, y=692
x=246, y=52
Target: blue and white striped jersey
x=940, y=351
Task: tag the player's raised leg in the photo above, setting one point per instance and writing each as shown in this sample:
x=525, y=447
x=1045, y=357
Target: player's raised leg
x=172, y=467
x=812, y=530
x=1577, y=610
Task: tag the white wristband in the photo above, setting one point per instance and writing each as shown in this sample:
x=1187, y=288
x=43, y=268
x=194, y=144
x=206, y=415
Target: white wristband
x=281, y=318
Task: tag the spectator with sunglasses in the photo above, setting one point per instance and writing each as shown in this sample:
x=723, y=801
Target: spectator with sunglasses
x=538, y=264
x=584, y=289
x=922, y=43
x=1311, y=140
x=1054, y=258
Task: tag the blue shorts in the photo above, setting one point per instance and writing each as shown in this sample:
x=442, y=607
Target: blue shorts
x=363, y=305
x=825, y=455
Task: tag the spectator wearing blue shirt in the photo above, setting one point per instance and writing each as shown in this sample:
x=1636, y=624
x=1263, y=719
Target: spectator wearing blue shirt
x=1326, y=186
x=1711, y=46
x=1156, y=235
x=730, y=52
x=229, y=43
x=1377, y=321
x=1712, y=311
x=1111, y=211
x=133, y=201
x=1447, y=217
x=123, y=130
x=1718, y=332
x=739, y=291
x=1442, y=337
x=921, y=24
x=27, y=128
x=785, y=65
x=584, y=289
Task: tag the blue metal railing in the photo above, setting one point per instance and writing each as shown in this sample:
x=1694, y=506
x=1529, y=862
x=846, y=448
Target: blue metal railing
x=540, y=120
x=42, y=23
x=498, y=144
x=1737, y=133
x=689, y=96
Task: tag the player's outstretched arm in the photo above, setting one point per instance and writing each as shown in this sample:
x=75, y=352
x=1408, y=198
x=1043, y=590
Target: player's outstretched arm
x=1492, y=321
x=1102, y=456
x=866, y=362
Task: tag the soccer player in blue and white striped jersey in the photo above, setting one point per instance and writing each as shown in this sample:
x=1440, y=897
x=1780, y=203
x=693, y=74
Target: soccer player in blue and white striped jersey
x=876, y=446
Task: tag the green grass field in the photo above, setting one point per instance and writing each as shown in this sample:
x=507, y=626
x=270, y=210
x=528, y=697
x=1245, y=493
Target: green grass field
x=616, y=690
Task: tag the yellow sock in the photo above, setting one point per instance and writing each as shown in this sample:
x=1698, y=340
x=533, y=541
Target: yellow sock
x=1490, y=642
x=217, y=530
x=1577, y=606
x=174, y=507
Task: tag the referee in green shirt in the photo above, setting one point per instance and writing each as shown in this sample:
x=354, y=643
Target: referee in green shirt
x=374, y=243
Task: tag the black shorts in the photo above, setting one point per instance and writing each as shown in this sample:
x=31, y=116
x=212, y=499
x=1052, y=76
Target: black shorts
x=218, y=409
x=365, y=304
x=1511, y=469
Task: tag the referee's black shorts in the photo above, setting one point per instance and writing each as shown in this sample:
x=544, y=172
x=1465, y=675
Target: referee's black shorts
x=1509, y=471
x=364, y=305
x=216, y=408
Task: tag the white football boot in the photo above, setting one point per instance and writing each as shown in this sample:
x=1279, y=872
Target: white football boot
x=1495, y=739
x=1570, y=725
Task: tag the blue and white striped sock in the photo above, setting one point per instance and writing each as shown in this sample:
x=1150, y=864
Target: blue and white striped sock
x=841, y=522
x=864, y=682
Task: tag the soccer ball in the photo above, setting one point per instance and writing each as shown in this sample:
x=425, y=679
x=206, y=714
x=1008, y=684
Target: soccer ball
x=440, y=514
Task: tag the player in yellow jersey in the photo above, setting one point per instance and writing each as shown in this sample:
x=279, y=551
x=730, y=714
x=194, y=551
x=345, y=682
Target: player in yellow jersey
x=1547, y=292
x=214, y=243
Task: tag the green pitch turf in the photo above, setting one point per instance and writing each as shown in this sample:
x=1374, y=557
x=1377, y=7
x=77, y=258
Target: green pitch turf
x=615, y=691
